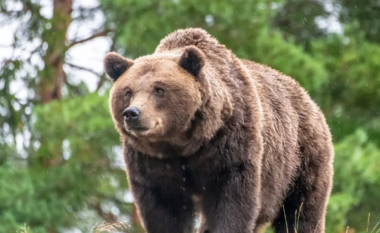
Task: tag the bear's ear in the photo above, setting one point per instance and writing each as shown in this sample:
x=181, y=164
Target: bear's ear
x=192, y=60
x=115, y=65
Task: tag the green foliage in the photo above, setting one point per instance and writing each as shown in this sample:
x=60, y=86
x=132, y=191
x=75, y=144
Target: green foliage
x=364, y=13
x=66, y=173
x=351, y=97
x=301, y=25
x=148, y=21
x=242, y=27
x=360, y=192
x=54, y=188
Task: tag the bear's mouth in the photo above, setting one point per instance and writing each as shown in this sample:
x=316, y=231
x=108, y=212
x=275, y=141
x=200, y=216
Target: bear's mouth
x=141, y=131
x=138, y=129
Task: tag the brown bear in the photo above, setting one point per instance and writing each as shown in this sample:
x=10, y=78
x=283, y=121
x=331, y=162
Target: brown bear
x=206, y=132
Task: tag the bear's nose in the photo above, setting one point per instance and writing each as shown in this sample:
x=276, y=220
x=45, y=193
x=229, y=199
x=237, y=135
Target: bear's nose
x=131, y=114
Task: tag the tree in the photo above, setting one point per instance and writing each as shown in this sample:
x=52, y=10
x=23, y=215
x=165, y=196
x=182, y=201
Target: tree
x=63, y=175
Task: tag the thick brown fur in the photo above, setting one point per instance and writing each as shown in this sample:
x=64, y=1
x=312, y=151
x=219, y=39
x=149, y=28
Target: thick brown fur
x=238, y=142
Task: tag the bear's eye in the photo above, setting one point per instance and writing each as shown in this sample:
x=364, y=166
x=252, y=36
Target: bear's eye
x=128, y=94
x=158, y=91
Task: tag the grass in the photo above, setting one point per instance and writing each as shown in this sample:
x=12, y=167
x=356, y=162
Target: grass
x=110, y=227
x=24, y=229
x=297, y=217
x=123, y=226
x=98, y=228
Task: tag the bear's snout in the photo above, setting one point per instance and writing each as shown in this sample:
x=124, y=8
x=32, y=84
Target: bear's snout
x=131, y=115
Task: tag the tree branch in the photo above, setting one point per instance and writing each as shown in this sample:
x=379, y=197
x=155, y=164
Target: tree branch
x=112, y=48
x=101, y=82
x=108, y=217
x=7, y=45
x=98, y=34
x=83, y=68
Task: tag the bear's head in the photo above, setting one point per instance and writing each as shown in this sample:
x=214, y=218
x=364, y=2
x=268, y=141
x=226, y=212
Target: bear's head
x=174, y=101
x=155, y=98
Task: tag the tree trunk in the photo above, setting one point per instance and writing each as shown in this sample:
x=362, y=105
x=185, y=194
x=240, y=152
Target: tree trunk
x=52, y=76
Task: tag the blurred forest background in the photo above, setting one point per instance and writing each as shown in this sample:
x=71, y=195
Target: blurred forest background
x=60, y=158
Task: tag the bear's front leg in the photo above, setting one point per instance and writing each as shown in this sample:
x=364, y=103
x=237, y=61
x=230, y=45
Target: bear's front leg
x=163, y=211
x=231, y=201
